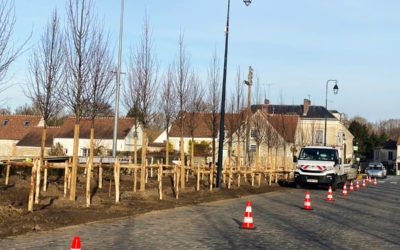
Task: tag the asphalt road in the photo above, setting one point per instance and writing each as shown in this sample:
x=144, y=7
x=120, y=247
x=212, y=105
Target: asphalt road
x=368, y=218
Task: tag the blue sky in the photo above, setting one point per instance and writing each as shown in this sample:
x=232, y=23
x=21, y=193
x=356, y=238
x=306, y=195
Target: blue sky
x=294, y=47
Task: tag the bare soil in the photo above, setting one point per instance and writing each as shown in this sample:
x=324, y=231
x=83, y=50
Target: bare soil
x=54, y=210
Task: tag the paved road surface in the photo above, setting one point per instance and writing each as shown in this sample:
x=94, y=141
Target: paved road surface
x=368, y=218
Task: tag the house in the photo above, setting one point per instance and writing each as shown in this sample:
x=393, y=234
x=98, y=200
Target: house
x=387, y=154
x=29, y=145
x=103, y=135
x=12, y=129
x=317, y=125
x=198, y=127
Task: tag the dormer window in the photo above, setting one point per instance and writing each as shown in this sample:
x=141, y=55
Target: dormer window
x=26, y=123
x=5, y=121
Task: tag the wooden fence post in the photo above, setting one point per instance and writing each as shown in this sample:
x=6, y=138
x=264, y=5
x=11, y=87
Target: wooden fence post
x=88, y=174
x=45, y=169
x=32, y=188
x=37, y=193
x=160, y=181
x=116, y=179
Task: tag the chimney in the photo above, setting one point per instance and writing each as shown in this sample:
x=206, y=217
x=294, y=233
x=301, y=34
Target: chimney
x=306, y=106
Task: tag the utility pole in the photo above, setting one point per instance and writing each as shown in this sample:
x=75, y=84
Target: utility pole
x=249, y=82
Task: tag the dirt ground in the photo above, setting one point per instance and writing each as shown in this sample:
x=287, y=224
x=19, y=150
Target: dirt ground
x=54, y=211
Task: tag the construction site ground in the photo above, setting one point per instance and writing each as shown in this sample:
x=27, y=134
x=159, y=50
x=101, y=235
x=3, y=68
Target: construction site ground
x=55, y=211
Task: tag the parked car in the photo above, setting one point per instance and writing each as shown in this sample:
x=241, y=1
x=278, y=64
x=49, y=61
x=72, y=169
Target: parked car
x=376, y=169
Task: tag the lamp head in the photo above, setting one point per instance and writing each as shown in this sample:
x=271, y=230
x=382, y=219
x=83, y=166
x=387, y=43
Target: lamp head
x=247, y=2
x=335, y=89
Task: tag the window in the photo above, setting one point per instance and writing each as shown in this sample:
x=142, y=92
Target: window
x=26, y=123
x=390, y=155
x=85, y=152
x=318, y=137
x=5, y=121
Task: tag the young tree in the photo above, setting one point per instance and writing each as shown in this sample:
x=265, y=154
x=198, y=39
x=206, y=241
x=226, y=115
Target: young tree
x=195, y=106
x=79, y=34
x=181, y=87
x=99, y=88
x=143, y=75
x=259, y=123
x=47, y=75
x=240, y=132
x=213, y=100
x=167, y=103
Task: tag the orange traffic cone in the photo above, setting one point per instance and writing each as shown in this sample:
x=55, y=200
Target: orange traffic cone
x=375, y=182
x=363, y=184
x=344, y=191
x=248, y=217
x=330, y=196
x=369, y=179
x=307, y=201
x=76, y=243
x=351, y=186
x=357, y=185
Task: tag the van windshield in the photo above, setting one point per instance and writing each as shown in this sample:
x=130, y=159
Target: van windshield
x=318, y=154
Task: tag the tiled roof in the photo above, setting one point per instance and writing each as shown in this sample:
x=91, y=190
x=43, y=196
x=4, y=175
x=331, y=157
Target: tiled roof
x=285, y=125
x=34, y=137
x=313, y=111
x=203, y=126
x=103, y=128
x=15, y=127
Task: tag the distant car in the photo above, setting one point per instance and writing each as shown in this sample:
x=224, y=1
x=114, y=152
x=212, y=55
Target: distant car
x=376, y=169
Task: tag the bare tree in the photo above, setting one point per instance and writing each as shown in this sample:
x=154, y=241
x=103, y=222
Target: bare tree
x=47, y=74
x=240, y=132
x=143, y=76
x=167, y=102
x=99, y=88
x=259, y=123
x=194, y=107
x=213, y=100
x=79, y=14
x=181, y=87
x=8, y=53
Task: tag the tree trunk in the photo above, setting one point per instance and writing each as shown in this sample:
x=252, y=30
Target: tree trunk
x=72, y=195
x=182, y=172
x=167, y=152
x=43, y=143
x=143, y=169
x=91, y=154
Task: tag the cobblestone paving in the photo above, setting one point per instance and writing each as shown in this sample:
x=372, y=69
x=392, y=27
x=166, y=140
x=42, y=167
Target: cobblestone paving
x=368, y=218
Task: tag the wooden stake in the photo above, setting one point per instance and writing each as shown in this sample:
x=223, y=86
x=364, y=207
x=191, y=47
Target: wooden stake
x=45, y=177
x=38, y=167
x=65, y=178
x=198, y=178
x=8, y=171
x=31, y=190
x=88, y=174
x=100, y=176
x=160, y=181
x=116, y=180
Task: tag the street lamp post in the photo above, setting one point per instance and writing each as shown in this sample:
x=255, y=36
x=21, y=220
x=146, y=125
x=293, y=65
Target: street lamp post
x=222, y=118
x=335, y=91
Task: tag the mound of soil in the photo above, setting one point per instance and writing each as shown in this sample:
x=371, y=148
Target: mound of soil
x=54, y=210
